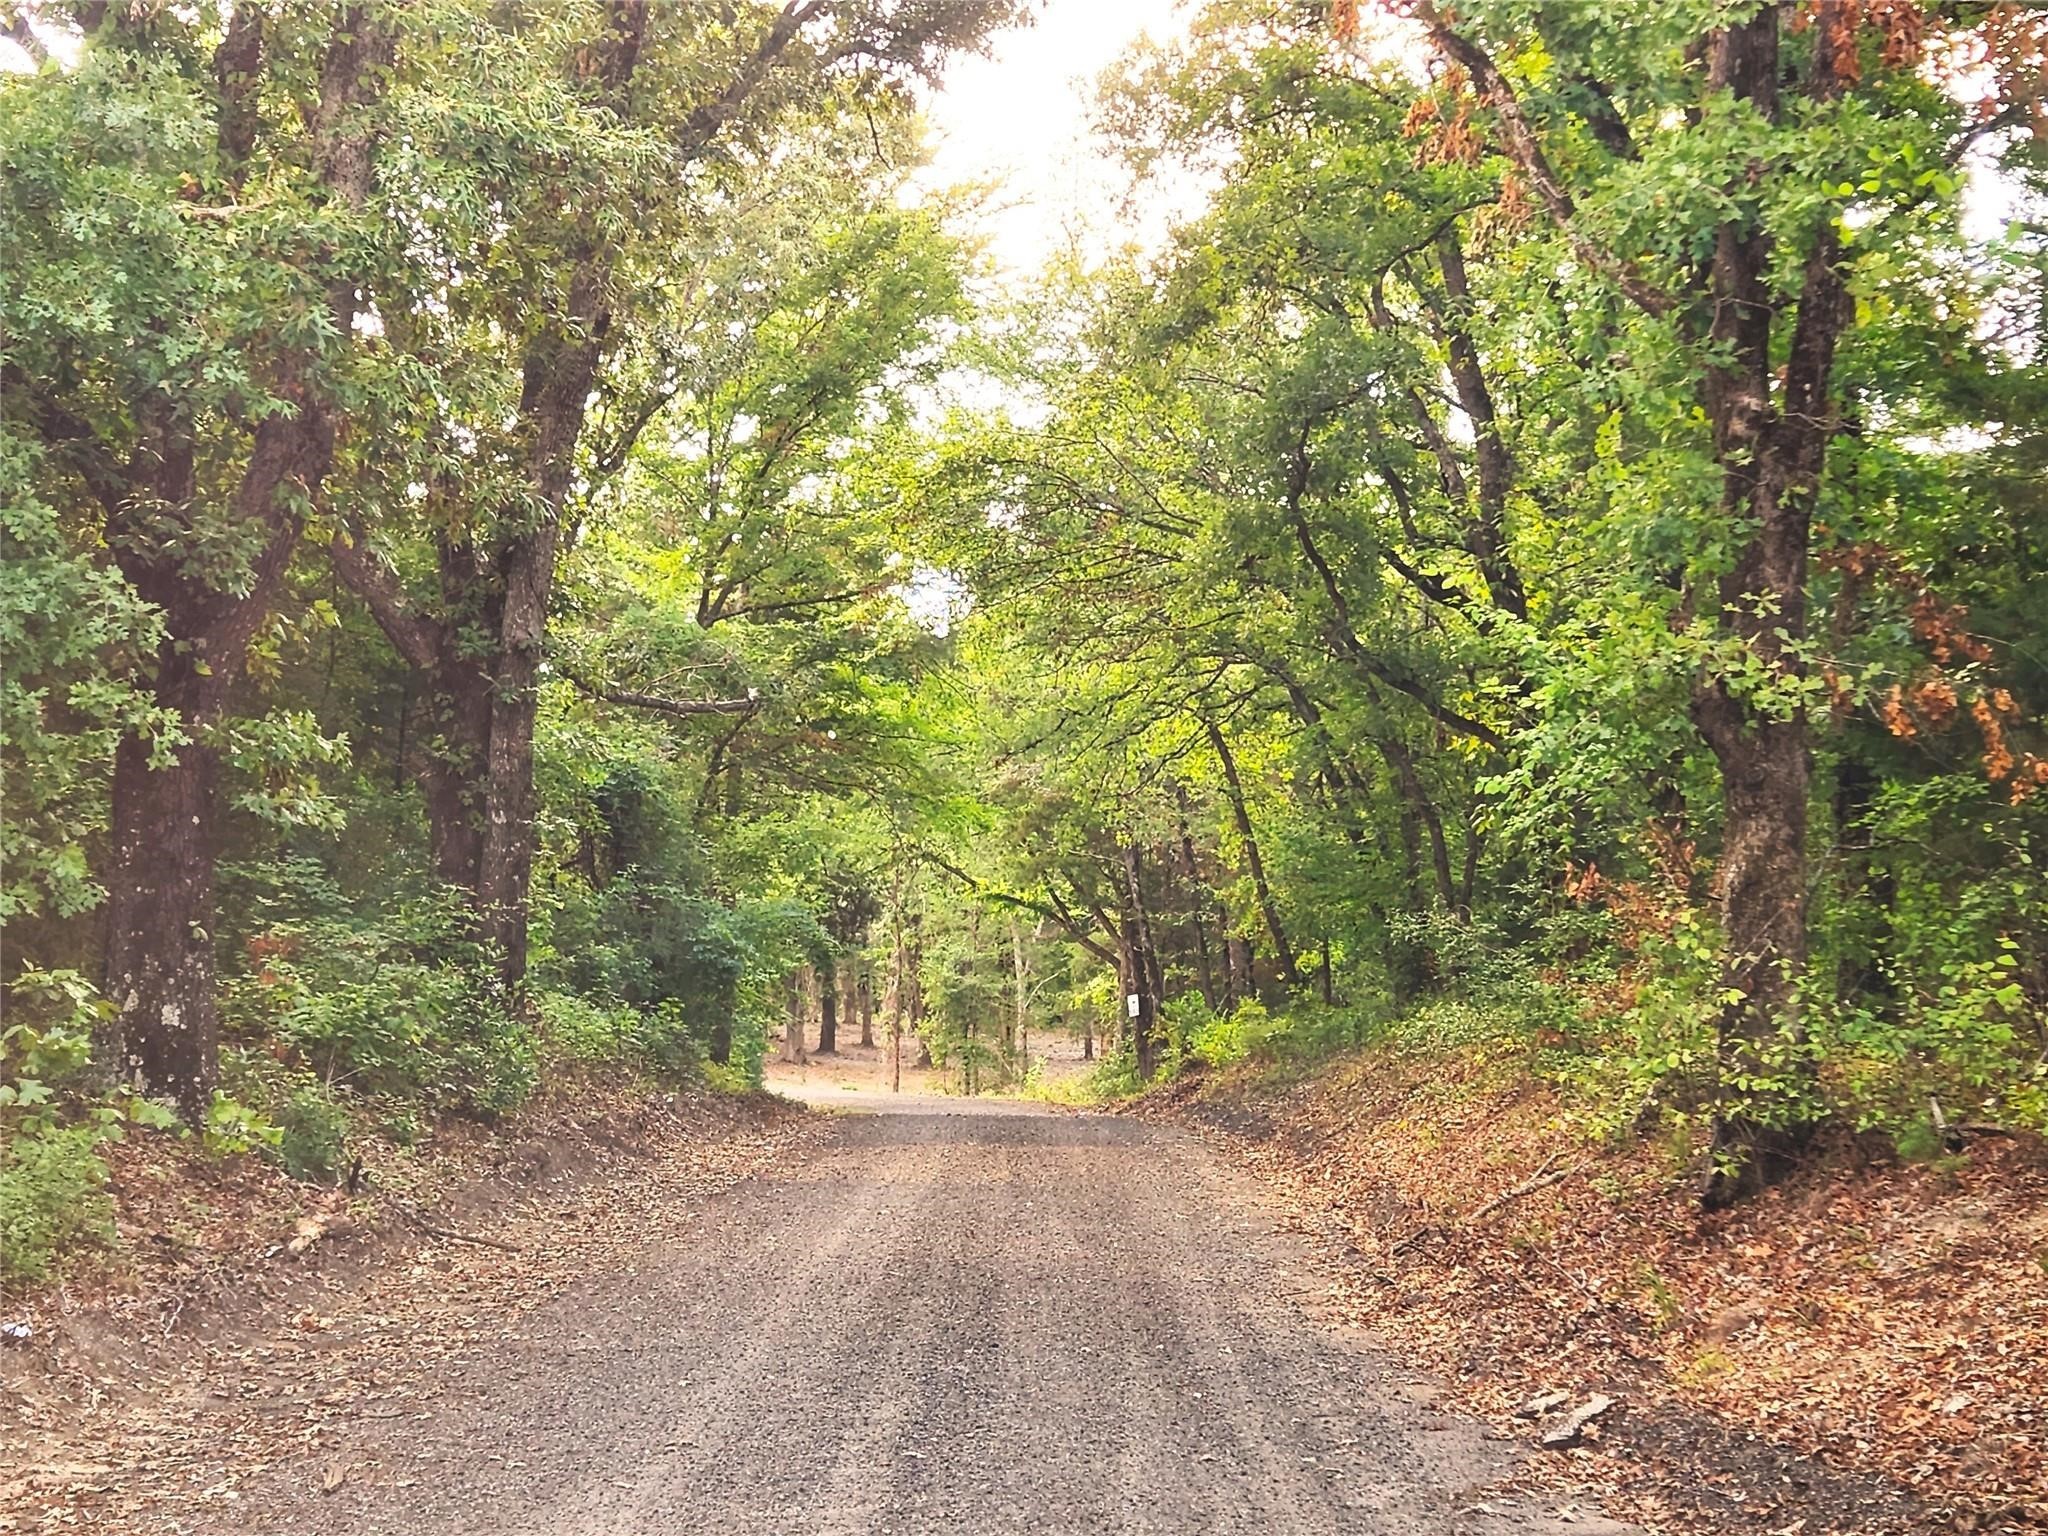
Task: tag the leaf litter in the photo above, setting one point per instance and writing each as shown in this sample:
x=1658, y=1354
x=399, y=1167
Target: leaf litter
x=1863, y=1350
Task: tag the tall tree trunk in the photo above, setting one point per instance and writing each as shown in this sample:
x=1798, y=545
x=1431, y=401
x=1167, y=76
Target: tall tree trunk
x=826, y=979
x=1130, y=997
x=915, y=980
x=1198, y=898
x=164, y=1037
x=159, y=951
x=1402, y=761
x=892, y=1000
x=450, y=768
x=864, y=1003
x=1771, y=453
x=1135, y=969
x=1486, y=534
x=1152, y=969
x=1021, y=1010
x=478, y=783
x=1475, y=843
x=1771, y=458
x=1230, y=983
x=1765, y=773
x=794, y=1009
x=1268, y=908
x=560, y=372
x=1410, y=966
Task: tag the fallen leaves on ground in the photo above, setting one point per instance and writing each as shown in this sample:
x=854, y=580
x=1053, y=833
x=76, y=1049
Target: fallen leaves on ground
x=1872, y=1320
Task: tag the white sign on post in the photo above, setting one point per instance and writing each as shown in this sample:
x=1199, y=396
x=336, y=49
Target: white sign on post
x=1131, y=1004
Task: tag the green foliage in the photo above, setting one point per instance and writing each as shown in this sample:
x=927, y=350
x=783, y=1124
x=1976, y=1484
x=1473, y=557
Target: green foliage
x=1114, y=1076
x=577, y=1029
x=1246, y=1033
x=1311, y=625
x=722, y=494
x=68, y=624
x=232, y=1128
x=1356, y=585
x=45, y=1040
x=665, y=1039
x=378, y=1001
x=51, y=1196
x=313, y=1130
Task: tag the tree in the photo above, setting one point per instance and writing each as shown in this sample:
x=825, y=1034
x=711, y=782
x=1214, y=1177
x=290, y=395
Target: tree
x=1702, y=175
x=230, y=175
x=503, y=503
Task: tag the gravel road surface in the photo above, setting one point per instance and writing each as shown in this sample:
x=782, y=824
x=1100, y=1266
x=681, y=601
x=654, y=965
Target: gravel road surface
x=946, y=1316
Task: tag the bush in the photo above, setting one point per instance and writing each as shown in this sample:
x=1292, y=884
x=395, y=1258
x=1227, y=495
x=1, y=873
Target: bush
x=46, y=1038
x=51, y=1196
x=233, y=1127
x=403, y=1007
x=313, y=1140
x=577, y=1029
x=667, y=1043
x=1115, y=1076
x=495, y=1066
x=1221, y=1040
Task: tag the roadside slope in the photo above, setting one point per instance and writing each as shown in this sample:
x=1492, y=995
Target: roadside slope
x=165, y=1375
x=1863, y=1350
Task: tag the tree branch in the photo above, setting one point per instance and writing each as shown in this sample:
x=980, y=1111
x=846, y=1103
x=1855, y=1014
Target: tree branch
x=15, y=28
x=681, y=708
x=415, y=637
x=1526, y=150
x=704, y=125
x=1054, y=911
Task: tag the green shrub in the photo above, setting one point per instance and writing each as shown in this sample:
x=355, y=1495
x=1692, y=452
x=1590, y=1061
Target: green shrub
x=233, y=1127
x=361, y=1009
x=1221, y=1040
x=313, y=1139
x=667, y=1044
x=390, y=1029
x=391, y=1000
x=729, y=1078
x=46, y=1039
x=1966, y=1041
x=577, y=1029
x=1115, y=1076
x=494, y=1066
x=51, y=1196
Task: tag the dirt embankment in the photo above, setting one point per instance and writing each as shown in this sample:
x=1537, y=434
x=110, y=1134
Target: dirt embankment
x=1864, y=1350
x=191, y=1351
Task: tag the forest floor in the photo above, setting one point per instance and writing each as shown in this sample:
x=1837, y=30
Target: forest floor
x=1862, y=1351
x=917, y=1314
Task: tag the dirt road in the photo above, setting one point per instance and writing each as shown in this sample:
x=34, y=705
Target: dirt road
x=946, y=1316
